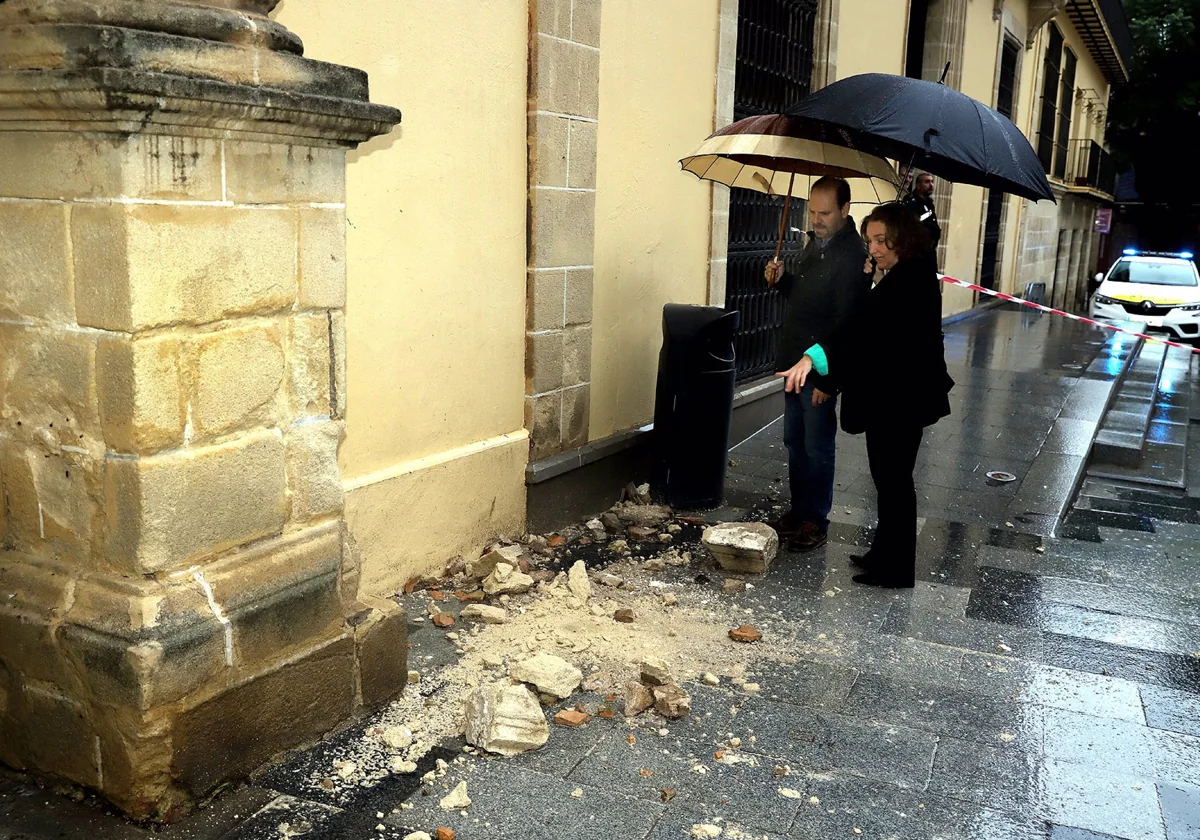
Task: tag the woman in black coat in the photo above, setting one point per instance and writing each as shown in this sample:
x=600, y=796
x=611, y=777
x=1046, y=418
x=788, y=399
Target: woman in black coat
x=892, y=364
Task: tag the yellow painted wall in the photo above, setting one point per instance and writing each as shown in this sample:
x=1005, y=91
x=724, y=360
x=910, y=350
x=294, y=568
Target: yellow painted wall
x=657, y=97
x=980, y=49
x=871, y=37
x=434, y=453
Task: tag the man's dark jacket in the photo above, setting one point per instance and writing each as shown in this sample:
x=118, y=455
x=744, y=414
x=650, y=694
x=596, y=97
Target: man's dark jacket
x=926, y=213
x=890, y=358
x=823, y=292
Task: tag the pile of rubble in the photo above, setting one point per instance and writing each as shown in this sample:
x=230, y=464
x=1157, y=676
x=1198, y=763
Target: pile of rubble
x=610, y=608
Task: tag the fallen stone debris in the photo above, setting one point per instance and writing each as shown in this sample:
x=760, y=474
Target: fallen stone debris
x=606, y=607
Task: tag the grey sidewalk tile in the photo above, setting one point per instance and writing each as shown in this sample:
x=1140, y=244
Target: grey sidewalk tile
x=1180, y=810
x=1002, y=777
x=966, y=634
x=677, y=822
x=1176, y=757
x=879, y=811
x=744, y=792
x=947, y=710
x=1171, y=710
x=1123, y=803
x=511, y=802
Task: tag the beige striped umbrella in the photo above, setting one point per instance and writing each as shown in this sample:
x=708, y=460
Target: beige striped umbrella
x=765, y=154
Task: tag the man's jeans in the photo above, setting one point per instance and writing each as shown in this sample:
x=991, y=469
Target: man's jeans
x=810, y=435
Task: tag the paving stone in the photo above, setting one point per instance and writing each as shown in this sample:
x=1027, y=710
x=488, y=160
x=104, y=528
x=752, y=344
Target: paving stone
x=1044, y=685
x=1001, y=777
x=964, y=633
x=1121, y=803
x=945, y=710
x=1180, y=810
x=512, y=802
x=677, y=821
x=743, y=792
x=1174, y=711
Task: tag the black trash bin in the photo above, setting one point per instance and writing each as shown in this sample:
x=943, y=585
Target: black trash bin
x=693, y=405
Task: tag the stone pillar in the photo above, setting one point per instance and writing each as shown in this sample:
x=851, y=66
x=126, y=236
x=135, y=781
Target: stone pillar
x=825, y=40
x=945, y=38
x=176, y=602
x=718, y=256
x=564, y=104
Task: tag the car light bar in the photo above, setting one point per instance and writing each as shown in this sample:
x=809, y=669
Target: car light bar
x=1134, y=252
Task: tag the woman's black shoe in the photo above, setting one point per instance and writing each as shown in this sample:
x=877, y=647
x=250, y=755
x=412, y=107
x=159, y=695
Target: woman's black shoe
x=873, y=578
x=862, y=561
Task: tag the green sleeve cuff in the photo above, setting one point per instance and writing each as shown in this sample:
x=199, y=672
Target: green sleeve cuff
x=820, y=363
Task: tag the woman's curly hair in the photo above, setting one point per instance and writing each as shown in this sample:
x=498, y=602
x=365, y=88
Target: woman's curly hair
x=905, y=234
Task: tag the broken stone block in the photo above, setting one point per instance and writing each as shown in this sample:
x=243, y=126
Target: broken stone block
x=611, y=523
x=745, y=633
x=654, y=564
x=397, y=737
x=671, y=701
x=418, y=835
x=618, y=546
x=506, y=580
x=624, y=615
x=638, y=699
x=571, y=718
x=606, y=579
x=577, y=581
x=443, y=619
x=655, y=671
x=473, y=597
x=742, y=546
x=505, y=719
x=549, y=674
x=484, y=614
x=732, y=586
x=444, y=833
x=642, y=533
x=481, y=567
x=596, y=530
x=635, y=514
x=456, y=799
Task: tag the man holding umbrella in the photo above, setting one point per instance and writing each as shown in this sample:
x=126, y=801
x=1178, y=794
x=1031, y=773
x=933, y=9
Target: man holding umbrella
x=825, y=291
x=920, y=204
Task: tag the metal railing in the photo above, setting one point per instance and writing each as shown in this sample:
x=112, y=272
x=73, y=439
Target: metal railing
x=1090, y=166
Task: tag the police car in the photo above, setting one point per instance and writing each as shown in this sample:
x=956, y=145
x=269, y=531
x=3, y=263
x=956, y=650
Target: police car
x=1158, y=289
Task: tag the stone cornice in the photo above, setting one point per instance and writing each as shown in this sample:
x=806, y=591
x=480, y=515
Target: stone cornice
x=162, y=66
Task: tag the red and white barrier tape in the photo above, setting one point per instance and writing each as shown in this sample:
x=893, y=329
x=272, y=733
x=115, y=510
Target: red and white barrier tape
x=1041, y=308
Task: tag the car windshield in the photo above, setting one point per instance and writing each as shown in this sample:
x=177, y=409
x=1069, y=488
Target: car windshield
x=1154, y=273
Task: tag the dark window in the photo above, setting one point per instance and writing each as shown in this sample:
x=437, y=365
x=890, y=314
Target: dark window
x=914, y=54
x=1066, y=106
x=774, y=71
x=1051, y=74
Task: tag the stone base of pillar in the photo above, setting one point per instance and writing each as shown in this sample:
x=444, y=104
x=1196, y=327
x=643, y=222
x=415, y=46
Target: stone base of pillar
x=177, y=602
x=154, y=692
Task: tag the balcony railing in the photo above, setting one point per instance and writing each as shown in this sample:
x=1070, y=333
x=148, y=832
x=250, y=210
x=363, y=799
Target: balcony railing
x=1090, y=167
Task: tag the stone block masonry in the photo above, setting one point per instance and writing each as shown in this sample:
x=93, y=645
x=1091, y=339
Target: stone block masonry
x=564, y=93
x=176, y=600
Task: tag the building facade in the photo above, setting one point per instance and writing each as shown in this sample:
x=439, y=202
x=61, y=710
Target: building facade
x=510, y=252
x=292, y=366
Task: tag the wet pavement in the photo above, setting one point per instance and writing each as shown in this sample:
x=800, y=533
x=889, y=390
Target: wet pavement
x=1030, y=686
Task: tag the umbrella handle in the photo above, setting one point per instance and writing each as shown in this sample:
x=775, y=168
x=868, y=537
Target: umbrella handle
x=787, y=203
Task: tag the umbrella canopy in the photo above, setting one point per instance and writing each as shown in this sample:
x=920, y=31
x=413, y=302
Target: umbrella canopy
x=927, y=125
x=769, y=154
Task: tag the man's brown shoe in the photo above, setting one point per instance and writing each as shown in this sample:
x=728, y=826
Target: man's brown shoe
x=810, y=537
x=788, y=525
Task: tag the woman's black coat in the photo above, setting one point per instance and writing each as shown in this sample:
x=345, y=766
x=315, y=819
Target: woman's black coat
x=890, y=356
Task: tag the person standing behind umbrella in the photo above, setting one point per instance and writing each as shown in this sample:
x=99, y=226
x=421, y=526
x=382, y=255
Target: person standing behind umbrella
x=891, y=362
x=920, y=203
x=825, y=291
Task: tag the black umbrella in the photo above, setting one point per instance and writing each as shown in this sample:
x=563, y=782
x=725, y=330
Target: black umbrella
x=927, y=125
